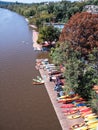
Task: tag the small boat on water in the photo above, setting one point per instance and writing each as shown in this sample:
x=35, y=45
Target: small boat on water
x=38, y=81
x=39, y=78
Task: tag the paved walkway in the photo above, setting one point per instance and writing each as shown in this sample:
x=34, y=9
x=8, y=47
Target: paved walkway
x=64, y=121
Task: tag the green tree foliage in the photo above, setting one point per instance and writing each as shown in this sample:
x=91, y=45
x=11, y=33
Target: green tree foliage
x=47, y=12
x=48, y=33
x=57, y=55
x=29, y=12
x=94, y=104
x=94, y=2
x=65, y=55
x=50, y=8
x=72, y=11
x=80, y=74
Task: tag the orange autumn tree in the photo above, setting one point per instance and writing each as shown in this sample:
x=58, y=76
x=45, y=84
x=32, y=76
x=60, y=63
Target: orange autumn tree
x=82, y=31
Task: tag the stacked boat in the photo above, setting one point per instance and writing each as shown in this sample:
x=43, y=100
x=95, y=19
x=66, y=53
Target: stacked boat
x=76, y=107
x=38, y=81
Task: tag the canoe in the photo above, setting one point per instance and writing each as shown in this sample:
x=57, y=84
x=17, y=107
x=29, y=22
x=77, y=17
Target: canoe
x=37, y=83
x=38, y=79
x=81, y=108
x=73, y=116
x=80, y=104
x=76, y=98
x=54, y=72
x=67, y=105
x=79, y=100
x=93, y=118
x=94, y=125
x=86, y=113
x=69, y=100
x=85, y=110
x=81, y=126
x=92, y=121
x=70, y=112
x=76, y=116
x=90, y=117
x=35, y=80
x=64, y=97
x=92, y=114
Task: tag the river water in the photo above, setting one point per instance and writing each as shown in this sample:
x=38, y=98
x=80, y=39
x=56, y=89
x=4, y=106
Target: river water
x=22, y=105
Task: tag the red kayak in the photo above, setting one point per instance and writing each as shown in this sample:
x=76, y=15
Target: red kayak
x=85, y=110
x=67, y=106
x=69, y=111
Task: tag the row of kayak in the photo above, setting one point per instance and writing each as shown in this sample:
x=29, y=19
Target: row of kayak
x=78, y=109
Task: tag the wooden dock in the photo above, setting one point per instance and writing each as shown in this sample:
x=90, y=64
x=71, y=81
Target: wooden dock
x=64, y=121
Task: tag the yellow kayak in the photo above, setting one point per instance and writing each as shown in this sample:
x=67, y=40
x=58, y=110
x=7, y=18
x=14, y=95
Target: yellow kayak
x=90, y=117
x=92, y=121
x=92, y=114
x=94, y=125
x=65, y=96
x=76, y=126
x=73, y=116
x=80, y=128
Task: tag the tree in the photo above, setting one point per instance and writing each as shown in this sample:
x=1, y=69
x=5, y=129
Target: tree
x=80, y=75
x=29, y=12
x=82, y=31
x=48, y=33
x=56, y=11
x=72, y=10
x=57, y=55
x=95, y=2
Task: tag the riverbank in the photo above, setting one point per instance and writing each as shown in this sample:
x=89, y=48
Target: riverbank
x=35, y=34
x=64, y=121
x=36, y=46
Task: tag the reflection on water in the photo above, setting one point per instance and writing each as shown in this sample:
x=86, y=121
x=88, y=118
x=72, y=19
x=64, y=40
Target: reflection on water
x=22, y=105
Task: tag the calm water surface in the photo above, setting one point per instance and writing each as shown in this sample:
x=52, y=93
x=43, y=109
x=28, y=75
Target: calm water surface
x=22, y=105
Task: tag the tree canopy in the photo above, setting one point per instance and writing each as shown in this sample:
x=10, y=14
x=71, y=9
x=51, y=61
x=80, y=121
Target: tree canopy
x=39, y=13
x=82, y=31
x=77, y=51
x=48, y=33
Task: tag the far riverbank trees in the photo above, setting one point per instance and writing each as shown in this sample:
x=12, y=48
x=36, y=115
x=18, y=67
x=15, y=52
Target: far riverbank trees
x=51, y=12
